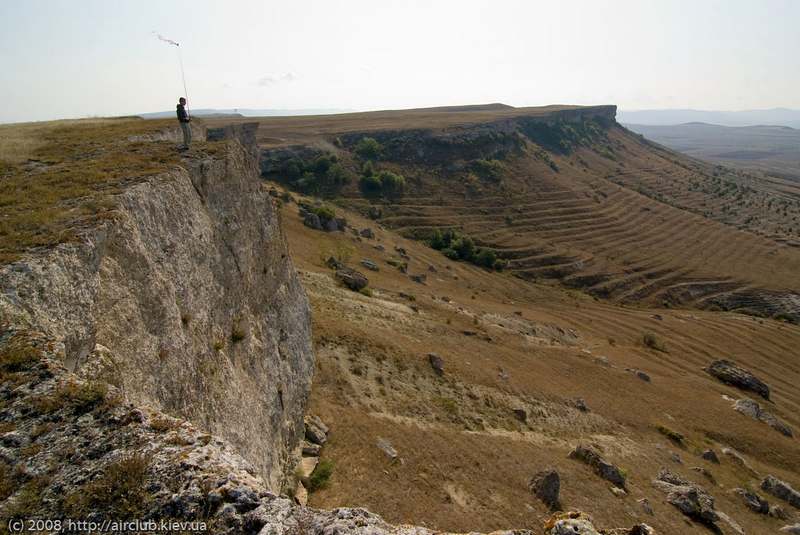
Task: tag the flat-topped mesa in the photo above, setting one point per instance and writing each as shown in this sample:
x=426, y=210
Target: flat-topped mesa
x=186, y=300
x=606, y=112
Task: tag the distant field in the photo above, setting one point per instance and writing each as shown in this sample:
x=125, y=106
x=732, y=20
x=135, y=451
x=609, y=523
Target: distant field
x=774, y=150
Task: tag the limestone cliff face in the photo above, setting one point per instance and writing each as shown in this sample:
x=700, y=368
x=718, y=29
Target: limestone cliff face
x=188, y=302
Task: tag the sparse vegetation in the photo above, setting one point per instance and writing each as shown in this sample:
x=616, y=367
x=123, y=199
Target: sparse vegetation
x=457, y=247
x=489, y=169
x=17, y=355
x=381, y=183
x=323, y=176
x=321, y=475
x=674, y=436
x=237, y=333
x=76, y=166
x=120, y=492
x=653, y=341
x=368, y=148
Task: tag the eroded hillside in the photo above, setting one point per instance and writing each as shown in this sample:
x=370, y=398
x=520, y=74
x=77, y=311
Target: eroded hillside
x=525, y=373
x=569, y=195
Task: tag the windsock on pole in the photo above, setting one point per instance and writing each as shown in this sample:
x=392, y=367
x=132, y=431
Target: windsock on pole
x=180, y=61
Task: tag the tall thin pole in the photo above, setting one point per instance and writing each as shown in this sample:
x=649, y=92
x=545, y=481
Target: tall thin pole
x=180, y=60
x=183, y=77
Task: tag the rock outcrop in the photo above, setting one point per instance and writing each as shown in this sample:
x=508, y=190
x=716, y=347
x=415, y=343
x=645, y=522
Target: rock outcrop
x=782, y=490
x=751, y=408
x=729, y=373
x=687, y=497
x=546, y=485
x=186, y=301
x=602, y=467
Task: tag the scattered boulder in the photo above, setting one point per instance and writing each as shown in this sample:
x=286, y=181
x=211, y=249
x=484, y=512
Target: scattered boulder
x=688, y=498
x=794, y=529
x=570, y=523
x=355, y=280
x=753, y=501
x=419, y=279
x=386, y=447
x=311, y=220
x=316, y=430
x=731, y=374
x=737, y=459
x=710, y=456
x=580, y=404
x=618, y=492
x=310, y=450
x=781, y=490
x=333, y=263
x=646, y=507
x=546, y=485
x=776, y=511
x=437, y=363
x=370, y=265
x=751, y=408
x=306, y=467
x=374, y=212
x=579, y=523
x=603, y=468
x=639, y=373
x=521, y=415
x=737, y=529
x=367, y=233
x=300, y=494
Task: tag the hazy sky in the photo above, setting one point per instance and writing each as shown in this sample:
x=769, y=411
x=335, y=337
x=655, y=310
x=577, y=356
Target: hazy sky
x=82, y=58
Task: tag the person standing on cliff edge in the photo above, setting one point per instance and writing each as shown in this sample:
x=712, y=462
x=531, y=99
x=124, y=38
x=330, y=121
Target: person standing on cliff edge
x=184, y=120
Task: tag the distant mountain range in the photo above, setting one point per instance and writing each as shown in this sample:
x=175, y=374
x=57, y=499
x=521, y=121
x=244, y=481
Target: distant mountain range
x=242, y=112
x=775, y=116
x=772, y=149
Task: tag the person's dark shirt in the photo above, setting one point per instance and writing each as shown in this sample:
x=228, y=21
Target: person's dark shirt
x=182, y=115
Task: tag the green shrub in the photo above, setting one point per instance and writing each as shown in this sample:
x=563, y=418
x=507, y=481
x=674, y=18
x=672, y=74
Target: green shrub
x=322, y=176
x=321, y=475
x=489, y=169
x=325, y=213
x=370, y=185
x=392, y=184
x=384, y=183
x=486, y=258
x=457, y=247
x=368, y=148
x=651, y=340
x=452, y=254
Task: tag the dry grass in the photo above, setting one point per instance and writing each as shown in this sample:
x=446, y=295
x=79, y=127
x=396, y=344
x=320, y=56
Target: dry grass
x=56, y=178
x=466, y=459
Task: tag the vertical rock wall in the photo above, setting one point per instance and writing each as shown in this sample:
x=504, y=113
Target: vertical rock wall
x=188, y=301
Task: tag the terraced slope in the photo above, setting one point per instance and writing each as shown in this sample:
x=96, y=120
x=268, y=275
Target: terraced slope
x=580, y=200
x=465, y=455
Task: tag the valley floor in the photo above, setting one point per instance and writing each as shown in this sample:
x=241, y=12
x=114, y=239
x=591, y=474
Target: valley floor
x=518, y=359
